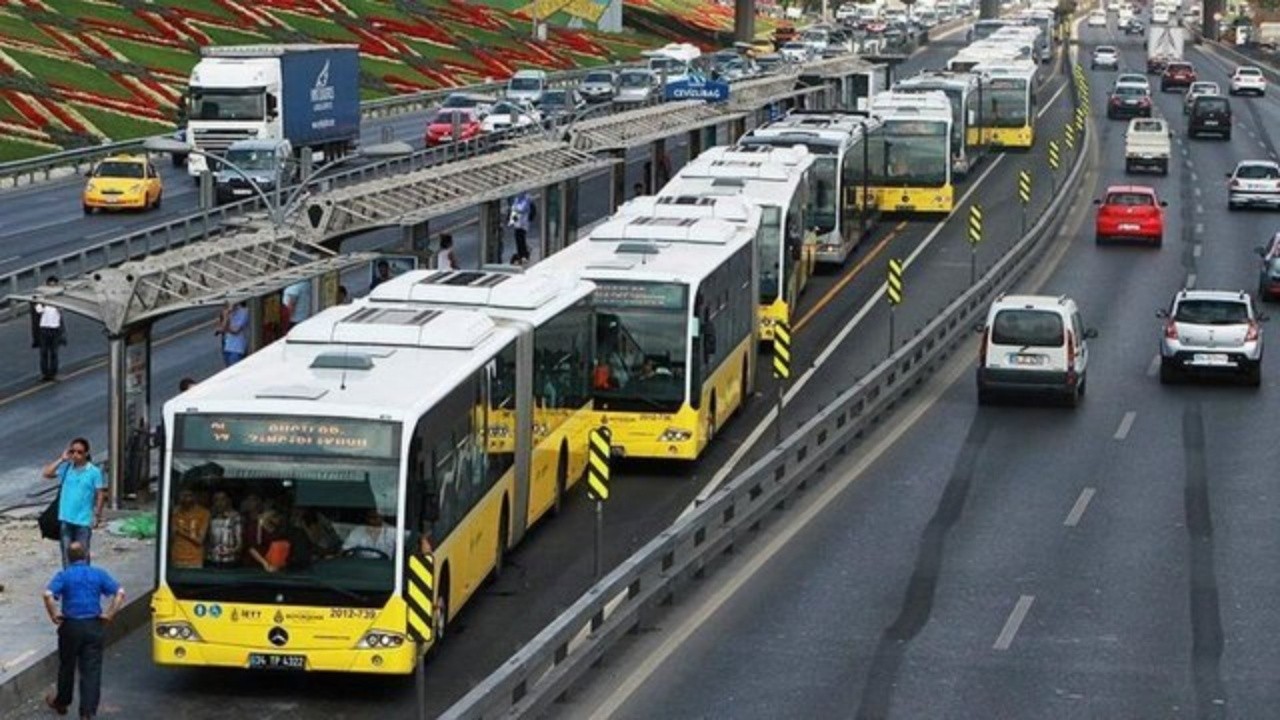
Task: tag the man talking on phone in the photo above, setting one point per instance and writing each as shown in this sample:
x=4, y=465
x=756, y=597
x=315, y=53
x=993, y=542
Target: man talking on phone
x=81, y=497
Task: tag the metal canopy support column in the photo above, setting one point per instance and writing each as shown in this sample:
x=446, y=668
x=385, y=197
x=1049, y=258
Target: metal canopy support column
x=569, y=211
x=658, y=161
x=737, y=128
x=618, y=181
x=115, y=417
x=490, y=232
x=695, y=143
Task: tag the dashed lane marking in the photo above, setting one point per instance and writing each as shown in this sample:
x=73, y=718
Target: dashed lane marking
x=1014, y=622
x=1077, y=510
x=1126, y=424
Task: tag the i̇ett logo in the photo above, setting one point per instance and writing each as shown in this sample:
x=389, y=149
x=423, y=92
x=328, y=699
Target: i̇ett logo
x=278, y=636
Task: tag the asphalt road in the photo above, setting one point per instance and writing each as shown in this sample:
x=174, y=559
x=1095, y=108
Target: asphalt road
x=1114, y=561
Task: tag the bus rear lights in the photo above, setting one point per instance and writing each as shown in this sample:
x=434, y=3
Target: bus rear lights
x=380, y=639
x=177, y=631
x=675, y=435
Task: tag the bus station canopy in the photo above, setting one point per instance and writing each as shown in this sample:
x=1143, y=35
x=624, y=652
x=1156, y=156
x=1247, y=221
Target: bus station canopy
x=250, y=262
x=425, y=194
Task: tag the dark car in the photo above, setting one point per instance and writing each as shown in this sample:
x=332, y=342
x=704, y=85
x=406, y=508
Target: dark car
x=1269, y=275
x=1210, y=115
x=1129, y=101
x=561, y=101
x=1134, y=27
x=1177, y=75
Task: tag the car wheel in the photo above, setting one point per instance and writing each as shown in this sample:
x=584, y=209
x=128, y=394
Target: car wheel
x=1164, y=168
x=1099, y=239
x=1128, y=166
x=1263, y=295
x=159, y=198
x=985, y=397
x=1168, y=373
x=1160, y=240
x=88, y=210
x=1253, y=376
x=1231, y=205
x=1227, y=136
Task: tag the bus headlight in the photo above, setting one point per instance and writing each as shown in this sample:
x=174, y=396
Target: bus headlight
x=767, y=322
x=378, y=639
x=499, y=431
x=177, y=631
x=675, y=435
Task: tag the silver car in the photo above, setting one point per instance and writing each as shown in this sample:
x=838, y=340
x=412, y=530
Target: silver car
x=1255, y=183
x=636, y=86
x=599, y=86
x=1214, y=332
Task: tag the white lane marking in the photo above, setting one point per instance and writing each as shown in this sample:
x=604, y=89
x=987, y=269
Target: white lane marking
x=1196, y=191
x=1195, y=251
x=1194, y=178
x=1126, y=424
x=10, y=259
x=778, y=539
x=1188, y=162
x=1154, y=367
x=1199, y=228
x=1191, y=280
x=1014, y=622
x=1262, y=145
x=1199, y=208
x=1077, y=510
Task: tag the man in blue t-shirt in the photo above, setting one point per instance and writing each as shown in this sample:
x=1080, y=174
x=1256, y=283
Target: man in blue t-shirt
x=81, y=622
x=81, y=496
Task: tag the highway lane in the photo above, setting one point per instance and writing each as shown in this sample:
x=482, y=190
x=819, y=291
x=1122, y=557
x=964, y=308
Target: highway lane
x=1113, y=561
x=550, y=562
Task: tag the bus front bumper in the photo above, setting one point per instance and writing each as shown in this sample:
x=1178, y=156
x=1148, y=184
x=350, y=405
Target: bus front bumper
x=185, y=653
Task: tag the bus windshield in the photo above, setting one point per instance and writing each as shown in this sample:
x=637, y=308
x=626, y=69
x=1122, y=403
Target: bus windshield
x=770, y=248
x=297, y=508
x=909, y=153
x=821, y=215
x=1006, y=104
x=641, y=346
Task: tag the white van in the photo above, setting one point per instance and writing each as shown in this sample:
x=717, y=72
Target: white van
x=527, y=85
x=1034, y=344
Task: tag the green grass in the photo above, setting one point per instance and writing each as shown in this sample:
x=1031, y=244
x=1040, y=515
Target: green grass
x=316, y=27
x=11, y=149
x=384, y=69
x=371, y=94
x=435, y=52
x=108, y=13
x=371, y=9
x=71, y=74
x=19, y=29
x=205, y=7
x=227, y=36
x=120, y=127
x=9, y=114
x=154, y=56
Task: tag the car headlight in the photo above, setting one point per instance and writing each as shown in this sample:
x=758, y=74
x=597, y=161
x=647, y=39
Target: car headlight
x=675, y=435
x=91, y=188
x=379, y=639
x=177, y=631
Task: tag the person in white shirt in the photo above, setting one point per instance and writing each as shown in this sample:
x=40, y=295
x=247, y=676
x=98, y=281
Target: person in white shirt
x=50, y=335
x=373, y=535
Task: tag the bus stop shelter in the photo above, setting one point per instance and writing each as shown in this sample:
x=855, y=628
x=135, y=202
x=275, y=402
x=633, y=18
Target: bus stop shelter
x=244, y=265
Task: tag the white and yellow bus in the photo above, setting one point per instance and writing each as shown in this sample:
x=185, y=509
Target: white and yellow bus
x=910, y=155
x=675, y=311
x=834, y=137
x=780, y=182
x=320, y=463
x=1008, y=116
x=962, y=90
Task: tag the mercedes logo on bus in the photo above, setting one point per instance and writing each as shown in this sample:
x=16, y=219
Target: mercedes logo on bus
x=278, y=636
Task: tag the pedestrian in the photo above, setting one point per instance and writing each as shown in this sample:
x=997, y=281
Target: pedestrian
x=51, y=335
x=637, y=190
x=296, y=300
x=522, y=214
x=81, y=495
x=233, y=326
x=382, y=273
x=446, y=259
x=344, y=295
x=81, y=622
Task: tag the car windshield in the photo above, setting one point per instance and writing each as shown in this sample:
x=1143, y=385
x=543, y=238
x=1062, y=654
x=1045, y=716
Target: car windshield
x=598, y=78
x=1178, y=68
x=1148, y=126
x=525, y=83
x=117, y=169
x=1028, y=328
x=555, y=97
x=1130, y=199
x=1212, y=104
x=1105, y=50
x=1212, y=312
x=1131, y=80
x=446, y=117
x=1131, y=91
x=635, y=80
x=252, y=159
x=1258, y=172
x=1204, y=89
x=460, y=101
x=1248, y=71
x=794, y=46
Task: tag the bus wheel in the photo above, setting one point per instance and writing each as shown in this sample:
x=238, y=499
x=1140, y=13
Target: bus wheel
x=562, y=477
x=711, y=420
x=441, y=610
x=744, y=387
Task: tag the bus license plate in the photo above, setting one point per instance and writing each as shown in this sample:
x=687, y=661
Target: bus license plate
x=265, y=661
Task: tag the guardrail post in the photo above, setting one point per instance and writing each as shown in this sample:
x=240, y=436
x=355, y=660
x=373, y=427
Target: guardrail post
x=206, y=190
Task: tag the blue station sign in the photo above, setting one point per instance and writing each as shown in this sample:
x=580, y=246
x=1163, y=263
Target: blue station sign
x=697, y=87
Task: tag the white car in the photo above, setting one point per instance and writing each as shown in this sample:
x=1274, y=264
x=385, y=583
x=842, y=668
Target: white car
x=1098, y=18
x=1105, y=56
x=1034, y=344
x=796, y=52
x=1248, y=79
x=1132, y=79
x=507, y=114
x=1254, y=183
x=1198, y=88
x=1211, y=332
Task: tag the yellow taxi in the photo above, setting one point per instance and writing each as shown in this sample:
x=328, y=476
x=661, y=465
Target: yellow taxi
x=123, y=181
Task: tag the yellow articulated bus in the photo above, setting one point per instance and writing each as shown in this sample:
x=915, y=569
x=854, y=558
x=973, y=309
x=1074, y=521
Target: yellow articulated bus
x=779, y=182
x=910, y=155
x=962, y=92
x=1008, y=115
x=675, y=337
x=298, y=482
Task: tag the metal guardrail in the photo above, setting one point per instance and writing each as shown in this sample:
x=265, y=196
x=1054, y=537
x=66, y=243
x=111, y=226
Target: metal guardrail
x=1272, y=73
x=42, y=168
x=545, y=668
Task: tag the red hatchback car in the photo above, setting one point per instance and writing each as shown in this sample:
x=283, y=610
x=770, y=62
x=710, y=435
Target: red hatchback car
x=440, y=126
x=1177, y=75
x=1130, y=212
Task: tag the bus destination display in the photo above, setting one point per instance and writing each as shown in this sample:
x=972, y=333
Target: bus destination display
x=287, y=435
x=659, y=296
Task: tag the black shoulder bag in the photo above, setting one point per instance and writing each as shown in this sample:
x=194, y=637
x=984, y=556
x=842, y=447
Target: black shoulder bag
x=50, y=525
